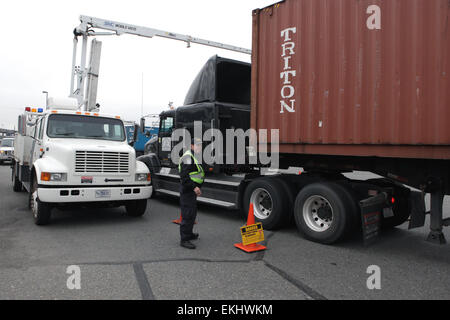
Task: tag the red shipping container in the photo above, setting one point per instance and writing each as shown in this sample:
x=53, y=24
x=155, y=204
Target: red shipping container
x=354, y=77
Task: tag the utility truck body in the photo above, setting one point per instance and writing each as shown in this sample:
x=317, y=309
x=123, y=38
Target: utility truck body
x=67, y=157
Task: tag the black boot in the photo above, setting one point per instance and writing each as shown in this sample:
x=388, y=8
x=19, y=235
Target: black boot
x=194, y=236
x=187, y=244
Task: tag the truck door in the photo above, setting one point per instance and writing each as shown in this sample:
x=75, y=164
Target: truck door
x=37, y=140
x=165, y=140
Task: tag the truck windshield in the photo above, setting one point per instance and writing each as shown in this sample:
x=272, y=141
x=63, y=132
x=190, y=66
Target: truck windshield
x=7, y=143
x=85, y=127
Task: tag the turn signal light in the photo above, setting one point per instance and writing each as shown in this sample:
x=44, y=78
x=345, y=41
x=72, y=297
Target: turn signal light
x=45, y=176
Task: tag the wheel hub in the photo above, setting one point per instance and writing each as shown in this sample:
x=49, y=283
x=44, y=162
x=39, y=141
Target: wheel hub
x=318, y=213
x=324, y=213
x=262, y=203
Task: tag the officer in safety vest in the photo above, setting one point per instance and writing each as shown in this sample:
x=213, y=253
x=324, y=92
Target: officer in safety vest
x=191, y=176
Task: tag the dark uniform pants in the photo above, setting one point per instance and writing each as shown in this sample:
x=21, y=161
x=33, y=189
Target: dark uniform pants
x=188, y=204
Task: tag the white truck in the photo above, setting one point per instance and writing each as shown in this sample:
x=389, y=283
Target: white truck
x=64, y=156
x=6, y=149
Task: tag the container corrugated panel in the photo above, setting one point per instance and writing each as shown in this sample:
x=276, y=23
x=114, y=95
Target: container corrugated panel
x=354, y=77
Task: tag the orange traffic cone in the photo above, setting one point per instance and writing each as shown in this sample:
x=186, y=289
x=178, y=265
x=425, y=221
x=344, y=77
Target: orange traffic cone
x=254, y=246
x=178, y=221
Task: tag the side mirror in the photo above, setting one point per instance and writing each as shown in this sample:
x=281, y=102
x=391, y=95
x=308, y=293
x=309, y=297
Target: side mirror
x=142, y=124
x=135, y=133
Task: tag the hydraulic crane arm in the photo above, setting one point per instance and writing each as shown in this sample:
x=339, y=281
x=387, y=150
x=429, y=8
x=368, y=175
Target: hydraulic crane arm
x=87, y=29
x=120, y=28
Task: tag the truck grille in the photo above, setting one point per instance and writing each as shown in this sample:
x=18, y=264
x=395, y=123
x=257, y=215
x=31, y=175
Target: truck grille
x=101, y=162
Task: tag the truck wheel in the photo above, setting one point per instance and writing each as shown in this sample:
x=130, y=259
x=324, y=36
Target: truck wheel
x=290, y=193
x=323, y=212
x=136, y=208
x=270, y=203
x=41, y=210
x=153, y=195
x=17, y=185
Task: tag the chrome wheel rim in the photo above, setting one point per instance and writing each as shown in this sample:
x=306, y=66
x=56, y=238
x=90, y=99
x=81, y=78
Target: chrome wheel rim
x=262, y=203
x=318, y=213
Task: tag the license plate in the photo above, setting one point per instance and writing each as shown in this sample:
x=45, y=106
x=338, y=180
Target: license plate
x=164, y=171
x=103, y=193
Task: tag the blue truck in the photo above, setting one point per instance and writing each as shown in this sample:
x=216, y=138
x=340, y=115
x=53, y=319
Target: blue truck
x=142, y=138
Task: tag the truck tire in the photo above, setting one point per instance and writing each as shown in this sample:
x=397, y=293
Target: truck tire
x=41, y=211
x=136, y=208
x=290, y=193
x=17, y=185
x=270, y=203
x=324, y=212
x=153, y=165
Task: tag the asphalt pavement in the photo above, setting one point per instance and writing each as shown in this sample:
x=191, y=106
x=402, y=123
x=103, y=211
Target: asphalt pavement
x=119, y=257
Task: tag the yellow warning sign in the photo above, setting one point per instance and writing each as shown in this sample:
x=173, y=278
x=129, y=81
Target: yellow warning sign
x=252, y=234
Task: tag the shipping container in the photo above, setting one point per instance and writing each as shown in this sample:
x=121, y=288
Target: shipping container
x=354, y=77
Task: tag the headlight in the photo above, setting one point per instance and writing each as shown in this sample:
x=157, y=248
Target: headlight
x=58, y=177
x=1, y=152
x=141, y=177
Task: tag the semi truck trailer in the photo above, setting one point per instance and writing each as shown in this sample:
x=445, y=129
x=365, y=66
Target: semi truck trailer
x=349, y=85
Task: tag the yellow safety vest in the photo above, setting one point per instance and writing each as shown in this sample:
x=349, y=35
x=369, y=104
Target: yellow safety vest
x=196, y=176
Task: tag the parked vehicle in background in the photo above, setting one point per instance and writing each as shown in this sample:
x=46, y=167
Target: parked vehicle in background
x=142, y=137
x=6, y=150
x=67, y=157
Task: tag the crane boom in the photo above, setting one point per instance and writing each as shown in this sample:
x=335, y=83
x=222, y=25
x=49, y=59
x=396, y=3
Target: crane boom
x=86, y=29
x=121, y=28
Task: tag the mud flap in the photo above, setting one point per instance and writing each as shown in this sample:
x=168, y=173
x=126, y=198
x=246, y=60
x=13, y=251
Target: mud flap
x=371, y=215
x=417, y=205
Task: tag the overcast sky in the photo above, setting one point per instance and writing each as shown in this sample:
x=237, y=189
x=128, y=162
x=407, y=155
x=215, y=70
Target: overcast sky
x=36, y=50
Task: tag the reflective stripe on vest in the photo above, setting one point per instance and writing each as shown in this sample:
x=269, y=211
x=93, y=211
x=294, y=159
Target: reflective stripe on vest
x=196, y=176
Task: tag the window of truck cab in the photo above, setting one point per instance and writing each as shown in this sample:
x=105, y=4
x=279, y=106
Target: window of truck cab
x=7, y=143
x=85, y=127
x=166, y=125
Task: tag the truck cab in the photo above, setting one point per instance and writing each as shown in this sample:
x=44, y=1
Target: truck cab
x=64, y=157
x=219, y=98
